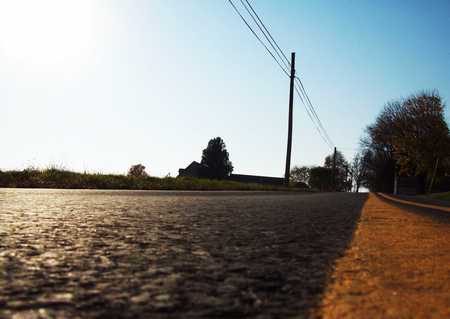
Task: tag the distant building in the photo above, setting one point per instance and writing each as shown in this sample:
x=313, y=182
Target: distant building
x=198, y=170
x=256, y=179
x=195, y=169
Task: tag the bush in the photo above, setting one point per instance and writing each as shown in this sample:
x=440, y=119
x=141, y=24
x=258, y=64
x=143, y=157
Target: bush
x=59, y=178
x=137, y=170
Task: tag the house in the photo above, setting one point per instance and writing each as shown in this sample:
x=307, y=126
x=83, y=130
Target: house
x=195, y=169
x=198, y=170
x=256, y=179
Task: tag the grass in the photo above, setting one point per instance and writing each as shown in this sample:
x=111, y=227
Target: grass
x=441, y=196
x=64, y=179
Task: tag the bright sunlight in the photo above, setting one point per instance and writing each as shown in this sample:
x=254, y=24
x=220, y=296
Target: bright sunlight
x=46, y=34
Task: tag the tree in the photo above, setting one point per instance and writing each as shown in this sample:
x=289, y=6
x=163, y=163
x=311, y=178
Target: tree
x=379, y=170
x=215, y=156
x=321, y=178
x=300, y=174
x=340, y=176
x=409, y=137
x=137, y=170
x=357, y=171
x=422, y=136
x=340, y=160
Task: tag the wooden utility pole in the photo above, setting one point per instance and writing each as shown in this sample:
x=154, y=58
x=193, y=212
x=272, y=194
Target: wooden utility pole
x=291, y=101
x=334, y=169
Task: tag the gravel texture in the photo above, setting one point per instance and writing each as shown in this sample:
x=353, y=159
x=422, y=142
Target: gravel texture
x=115, y=254
x=398, y=265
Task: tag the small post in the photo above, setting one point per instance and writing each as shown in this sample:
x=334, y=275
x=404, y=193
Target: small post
x=334, y=169
x=287, y=171
x=346, y=179
x=395, y=183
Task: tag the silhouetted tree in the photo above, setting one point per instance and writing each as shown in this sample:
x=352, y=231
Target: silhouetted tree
x=215, y=156
x=409, y=137
x=320, y=178
x=379, y=170
x=357, y=171
x=300, y=174
x=340, y=176
x=341, y=162
x=137, y=170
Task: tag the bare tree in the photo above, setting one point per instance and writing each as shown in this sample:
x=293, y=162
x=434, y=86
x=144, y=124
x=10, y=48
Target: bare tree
x=357, y=171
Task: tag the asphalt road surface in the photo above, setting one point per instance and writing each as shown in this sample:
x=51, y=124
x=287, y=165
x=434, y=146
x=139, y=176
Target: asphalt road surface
x=115, y=254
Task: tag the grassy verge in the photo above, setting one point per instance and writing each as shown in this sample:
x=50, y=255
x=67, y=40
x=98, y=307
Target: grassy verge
x=63, y=179
x=441, y=196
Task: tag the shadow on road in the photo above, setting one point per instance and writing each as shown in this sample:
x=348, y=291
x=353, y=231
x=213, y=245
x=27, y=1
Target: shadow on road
x=71, y=254
x=266, y=257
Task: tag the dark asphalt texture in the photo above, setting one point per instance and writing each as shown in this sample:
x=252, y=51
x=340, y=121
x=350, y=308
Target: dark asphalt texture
x=116, y=254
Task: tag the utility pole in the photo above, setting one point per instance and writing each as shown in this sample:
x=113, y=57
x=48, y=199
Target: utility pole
x=291, y=101
x=334, y=169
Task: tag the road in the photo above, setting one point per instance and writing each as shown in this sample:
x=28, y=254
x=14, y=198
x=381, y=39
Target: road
x=116, y=254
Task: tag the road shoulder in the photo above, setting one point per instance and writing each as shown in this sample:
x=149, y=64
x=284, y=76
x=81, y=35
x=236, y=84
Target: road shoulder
x=417, y=201
x=396, y=267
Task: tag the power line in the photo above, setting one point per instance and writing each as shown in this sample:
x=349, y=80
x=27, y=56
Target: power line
x=257, y=16
x=317, y=123
x=310, y=105
x=299, y=87
x=314, y=111
x=260, y=25
x=259, y=39
x=308, y=111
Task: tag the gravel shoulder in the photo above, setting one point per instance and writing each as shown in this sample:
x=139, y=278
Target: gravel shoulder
x=397, y=265
x=423, y=201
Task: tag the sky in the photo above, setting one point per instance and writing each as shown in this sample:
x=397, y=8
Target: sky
x=99, y=85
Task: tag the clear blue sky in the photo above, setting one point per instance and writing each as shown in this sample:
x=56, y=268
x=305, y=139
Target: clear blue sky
x=100, y=85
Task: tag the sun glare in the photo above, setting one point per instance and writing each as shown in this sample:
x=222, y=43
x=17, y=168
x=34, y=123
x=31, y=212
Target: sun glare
x=46, y=33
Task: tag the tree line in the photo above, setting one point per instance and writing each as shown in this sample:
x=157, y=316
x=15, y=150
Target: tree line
x=334, y=175
x=409, y=138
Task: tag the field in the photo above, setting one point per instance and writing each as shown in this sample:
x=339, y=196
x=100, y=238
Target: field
x=64, y=179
